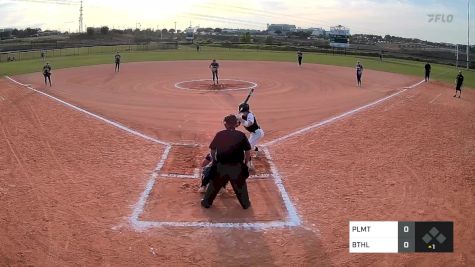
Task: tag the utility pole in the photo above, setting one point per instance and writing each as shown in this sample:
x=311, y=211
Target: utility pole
x=80, y=19
x=457, y=56
x=468, y=34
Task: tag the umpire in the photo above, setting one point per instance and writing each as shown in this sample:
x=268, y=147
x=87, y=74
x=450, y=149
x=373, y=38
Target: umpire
x=231, y=152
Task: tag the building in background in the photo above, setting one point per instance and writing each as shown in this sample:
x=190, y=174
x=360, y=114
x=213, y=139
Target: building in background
x=339, y=36
x=190, y=33
x=280, y=28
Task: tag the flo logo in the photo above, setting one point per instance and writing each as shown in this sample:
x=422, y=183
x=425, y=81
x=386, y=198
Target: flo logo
x=440, y=18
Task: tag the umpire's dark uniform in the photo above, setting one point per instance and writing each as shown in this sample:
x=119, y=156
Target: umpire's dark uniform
x=231, y=151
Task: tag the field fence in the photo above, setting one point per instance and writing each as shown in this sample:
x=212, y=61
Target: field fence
x=82, y=50
x=441, y=56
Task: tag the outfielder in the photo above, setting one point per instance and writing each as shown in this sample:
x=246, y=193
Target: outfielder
x=458, y=84
x=117, y=62
x=214, y=66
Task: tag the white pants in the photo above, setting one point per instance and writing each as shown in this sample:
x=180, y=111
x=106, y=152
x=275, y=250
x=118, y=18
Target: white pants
x=255, y=137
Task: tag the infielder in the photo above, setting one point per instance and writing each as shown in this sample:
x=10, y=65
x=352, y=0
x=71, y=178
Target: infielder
x=459, y=84
x=359, y=73
x=47, y=73
x=214, y=66
x=117, y=61
x=299, y=57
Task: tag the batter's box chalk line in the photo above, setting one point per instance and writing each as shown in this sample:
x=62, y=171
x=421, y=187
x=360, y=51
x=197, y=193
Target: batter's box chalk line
x=292, y=219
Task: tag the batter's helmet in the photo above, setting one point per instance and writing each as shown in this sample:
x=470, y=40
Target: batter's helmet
x=243, y=107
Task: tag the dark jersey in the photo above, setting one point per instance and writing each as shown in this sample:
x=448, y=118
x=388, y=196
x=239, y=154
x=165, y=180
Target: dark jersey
x=47, y=70
x=214, y=66
x=359, y=69
x=459, y=80
x=117, y=58
x=230, y=146
x=299, y=54
x=427, y=67
x=254, y=126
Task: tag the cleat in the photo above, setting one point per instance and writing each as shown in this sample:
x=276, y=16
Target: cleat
x=205, y=204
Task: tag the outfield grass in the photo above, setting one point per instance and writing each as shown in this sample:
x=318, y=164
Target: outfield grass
x=439, y=72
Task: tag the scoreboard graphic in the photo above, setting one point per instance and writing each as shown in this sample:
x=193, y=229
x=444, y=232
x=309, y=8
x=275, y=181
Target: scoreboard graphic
x=400, y=237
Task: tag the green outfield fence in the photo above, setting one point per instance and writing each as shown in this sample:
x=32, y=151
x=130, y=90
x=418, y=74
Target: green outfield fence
x=83, y=50
x=446, y=57
x=440, y=56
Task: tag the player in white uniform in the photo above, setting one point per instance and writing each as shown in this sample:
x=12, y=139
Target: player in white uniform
x=249, y=122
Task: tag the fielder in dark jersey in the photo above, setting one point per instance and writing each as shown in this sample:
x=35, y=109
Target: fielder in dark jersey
x=214, y=66
x=117, y=61
x=427, y=67
x=47, y=73
x=459, y=84
x=299, y=57
x=359, y=73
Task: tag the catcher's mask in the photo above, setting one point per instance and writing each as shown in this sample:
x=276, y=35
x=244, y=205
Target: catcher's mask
x=244, y=107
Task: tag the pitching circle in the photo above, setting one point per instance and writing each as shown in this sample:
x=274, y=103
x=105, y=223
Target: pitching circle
x=207, y=85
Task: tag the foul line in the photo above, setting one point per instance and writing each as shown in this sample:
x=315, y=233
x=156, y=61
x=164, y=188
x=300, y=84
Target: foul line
x=113, y=123
x=435, y=98
x=333, y=119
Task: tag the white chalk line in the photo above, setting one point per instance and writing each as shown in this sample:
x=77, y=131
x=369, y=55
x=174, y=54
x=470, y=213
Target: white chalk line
x=178, y=85
x=293, y=217
x=113, y=123
x=140, y=205
x=432, y=101
x=138, y=208
x=333, y=119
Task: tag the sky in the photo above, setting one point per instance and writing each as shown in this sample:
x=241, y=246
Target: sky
x=405, y=18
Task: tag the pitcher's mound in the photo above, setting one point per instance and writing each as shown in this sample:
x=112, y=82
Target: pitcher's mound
x=223, y=85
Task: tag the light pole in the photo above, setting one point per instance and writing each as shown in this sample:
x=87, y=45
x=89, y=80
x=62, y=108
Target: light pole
x=468, y=34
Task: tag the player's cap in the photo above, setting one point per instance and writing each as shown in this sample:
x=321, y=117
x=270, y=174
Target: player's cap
x=230, y=120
